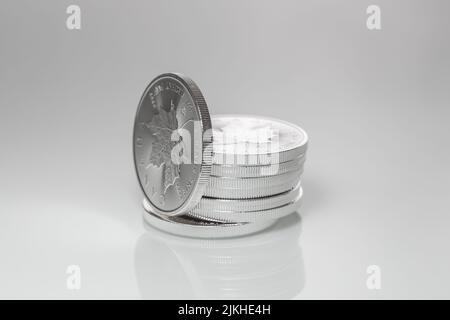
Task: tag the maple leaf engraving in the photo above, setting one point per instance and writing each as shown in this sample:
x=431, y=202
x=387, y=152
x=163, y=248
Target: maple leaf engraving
x=162, y=126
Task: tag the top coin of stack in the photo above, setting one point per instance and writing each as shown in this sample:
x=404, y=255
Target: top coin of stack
x=235, y=179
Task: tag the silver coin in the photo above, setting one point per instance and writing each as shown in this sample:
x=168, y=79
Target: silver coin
x=172, y=144
x=244, y=205
x=245, y=139
x=251, y=182
x=270, y=213
x=242, y=171
x=289, y=222
x=247, y=188
x=200, y=228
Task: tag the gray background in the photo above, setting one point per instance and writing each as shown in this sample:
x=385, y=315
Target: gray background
x=376, y=182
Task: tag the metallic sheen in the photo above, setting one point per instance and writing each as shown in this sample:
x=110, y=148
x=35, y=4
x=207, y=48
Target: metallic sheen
x=273, y=211
x=229, y=188
x=171, y=106
x=247, y=171
x=200, y=228
x=248, y=139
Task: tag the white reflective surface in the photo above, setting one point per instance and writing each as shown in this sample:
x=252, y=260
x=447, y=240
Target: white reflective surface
x=237, y=268
x=375, y=105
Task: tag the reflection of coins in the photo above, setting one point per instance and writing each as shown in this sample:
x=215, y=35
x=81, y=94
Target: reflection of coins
x=236, y=268
x=171, y=120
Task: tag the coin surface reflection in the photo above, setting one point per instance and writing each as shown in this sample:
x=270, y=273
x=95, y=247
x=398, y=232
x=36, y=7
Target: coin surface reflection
x=266, y=265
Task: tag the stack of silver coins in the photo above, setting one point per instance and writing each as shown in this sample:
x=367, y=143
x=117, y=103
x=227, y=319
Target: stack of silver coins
x=255, y=175
x=224, y=176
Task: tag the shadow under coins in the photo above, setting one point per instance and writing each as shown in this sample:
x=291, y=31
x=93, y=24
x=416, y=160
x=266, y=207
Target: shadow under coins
x=266, y=265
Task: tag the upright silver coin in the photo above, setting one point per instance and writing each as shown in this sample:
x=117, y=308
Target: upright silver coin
x=172, y=144
x=254, y=140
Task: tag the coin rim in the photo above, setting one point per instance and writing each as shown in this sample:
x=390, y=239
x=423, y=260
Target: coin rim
x=205, y=167
x=204, y=228
x=243, y=216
